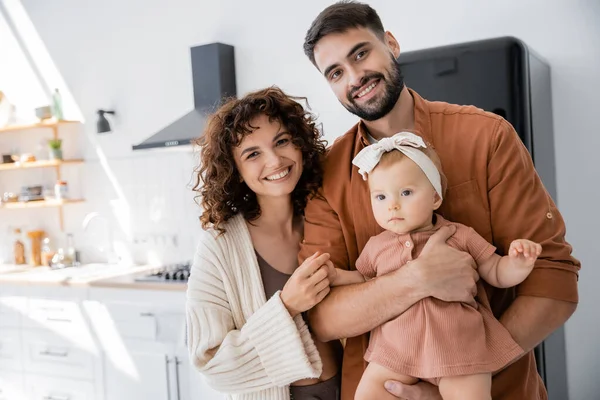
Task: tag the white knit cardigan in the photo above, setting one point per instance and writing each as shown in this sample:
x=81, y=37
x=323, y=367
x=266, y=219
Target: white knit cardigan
x=245, y=346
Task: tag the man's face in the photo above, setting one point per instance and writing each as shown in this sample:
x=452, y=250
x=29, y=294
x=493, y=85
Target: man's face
x=362, y=71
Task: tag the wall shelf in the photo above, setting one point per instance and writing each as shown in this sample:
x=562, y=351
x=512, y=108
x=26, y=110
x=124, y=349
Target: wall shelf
x=51, y=123
x=38, y=164
x=39, y=203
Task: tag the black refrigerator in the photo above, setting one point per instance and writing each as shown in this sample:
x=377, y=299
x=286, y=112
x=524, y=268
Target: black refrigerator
x=503, y=76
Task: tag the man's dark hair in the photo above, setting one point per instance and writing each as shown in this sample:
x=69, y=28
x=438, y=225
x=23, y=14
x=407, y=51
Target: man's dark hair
x=339, y=18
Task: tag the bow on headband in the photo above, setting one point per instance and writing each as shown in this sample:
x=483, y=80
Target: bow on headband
x=406, y=142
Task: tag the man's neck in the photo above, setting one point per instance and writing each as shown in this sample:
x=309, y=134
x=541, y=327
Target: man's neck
x=400, y=118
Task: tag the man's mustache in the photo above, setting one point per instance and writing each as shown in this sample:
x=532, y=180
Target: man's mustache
x=363, y=81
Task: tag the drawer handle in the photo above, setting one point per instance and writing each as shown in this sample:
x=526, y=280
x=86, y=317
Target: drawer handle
x=54, y=353
x=58, y=319
x=52, y=308
x=57, y=397
x=146, y=314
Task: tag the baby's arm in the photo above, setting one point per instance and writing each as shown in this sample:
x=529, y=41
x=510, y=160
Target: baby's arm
x=512, y=269
x=365, y=268
x=341, y=277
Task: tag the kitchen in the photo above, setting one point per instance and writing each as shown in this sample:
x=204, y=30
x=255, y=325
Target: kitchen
x=137, y=204
x=103, y=317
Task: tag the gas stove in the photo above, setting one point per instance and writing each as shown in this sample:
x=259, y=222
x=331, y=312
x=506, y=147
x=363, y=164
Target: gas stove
x=174, y=273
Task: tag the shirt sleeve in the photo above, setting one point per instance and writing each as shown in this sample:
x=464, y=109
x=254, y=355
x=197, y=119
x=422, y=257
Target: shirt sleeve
x=365, y=264
x=270, y=349
x=323, y=232
x=521, y=207
x=479, y=248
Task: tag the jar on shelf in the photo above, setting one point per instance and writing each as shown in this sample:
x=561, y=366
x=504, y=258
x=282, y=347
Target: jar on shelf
x=47, y=251
x=61, y=190
x=19, y=248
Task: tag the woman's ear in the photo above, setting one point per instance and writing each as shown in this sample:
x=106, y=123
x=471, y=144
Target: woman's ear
x=437, y=200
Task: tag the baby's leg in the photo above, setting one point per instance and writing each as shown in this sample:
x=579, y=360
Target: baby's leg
x=371, y=384
x=466, y=387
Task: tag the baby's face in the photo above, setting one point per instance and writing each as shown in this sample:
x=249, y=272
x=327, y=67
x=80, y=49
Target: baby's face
x=402, y=198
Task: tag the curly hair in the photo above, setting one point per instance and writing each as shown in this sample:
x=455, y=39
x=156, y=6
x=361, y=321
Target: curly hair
x=219, y=183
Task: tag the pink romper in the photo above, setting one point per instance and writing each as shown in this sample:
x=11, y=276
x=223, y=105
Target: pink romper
x=434, y=338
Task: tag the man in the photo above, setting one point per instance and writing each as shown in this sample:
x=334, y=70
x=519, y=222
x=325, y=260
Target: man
x=492, y=187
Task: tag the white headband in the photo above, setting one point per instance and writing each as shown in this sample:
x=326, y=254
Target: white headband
x=407, y=143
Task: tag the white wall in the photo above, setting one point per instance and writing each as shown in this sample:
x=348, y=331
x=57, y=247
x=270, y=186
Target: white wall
x=134, y=56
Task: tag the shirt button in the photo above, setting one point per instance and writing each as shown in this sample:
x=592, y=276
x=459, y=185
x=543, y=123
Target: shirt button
x=407, y=243
x=549, y=215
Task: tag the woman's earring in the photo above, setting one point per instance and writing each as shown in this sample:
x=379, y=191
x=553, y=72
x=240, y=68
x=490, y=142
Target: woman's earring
x=246, y=197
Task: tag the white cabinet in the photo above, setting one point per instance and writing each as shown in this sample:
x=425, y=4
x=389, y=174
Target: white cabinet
x=141, y=374
x=40, y=387
x=11, y=386
x=47, y=352
x=12, y=305
x=10, y=349
x=46, y=343
x=140, y=332
x=90, y=343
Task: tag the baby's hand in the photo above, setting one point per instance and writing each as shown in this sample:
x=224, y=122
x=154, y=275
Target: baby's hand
x=524, y=251
x=331, y=272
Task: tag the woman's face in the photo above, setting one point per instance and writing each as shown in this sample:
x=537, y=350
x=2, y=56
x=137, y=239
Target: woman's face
x=267, y=160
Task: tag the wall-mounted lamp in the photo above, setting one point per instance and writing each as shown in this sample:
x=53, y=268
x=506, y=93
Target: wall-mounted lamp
x=103, y=126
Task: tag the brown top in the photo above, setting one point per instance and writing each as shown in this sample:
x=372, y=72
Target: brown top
x=273, y=280
x=492, y=187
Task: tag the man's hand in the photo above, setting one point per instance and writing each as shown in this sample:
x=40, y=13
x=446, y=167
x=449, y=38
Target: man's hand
x=445, y=273
x=418, y=391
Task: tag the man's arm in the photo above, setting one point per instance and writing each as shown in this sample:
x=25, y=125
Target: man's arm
x=521, y=208
x=352, y=310
x=530, y=319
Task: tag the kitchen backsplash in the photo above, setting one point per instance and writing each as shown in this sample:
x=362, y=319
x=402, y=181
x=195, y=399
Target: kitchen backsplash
x=143, y=202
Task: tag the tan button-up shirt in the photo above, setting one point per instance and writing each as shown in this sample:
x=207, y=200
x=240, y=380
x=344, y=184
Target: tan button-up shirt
x=492, y=187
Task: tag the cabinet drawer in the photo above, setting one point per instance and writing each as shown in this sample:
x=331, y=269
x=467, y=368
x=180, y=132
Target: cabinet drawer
x=53, y=314
x=45, y=388
x=11, y=386
x=133, y=321
x=10, y=349
x=47, y=353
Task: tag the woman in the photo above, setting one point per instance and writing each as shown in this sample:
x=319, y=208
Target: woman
x=260, y=161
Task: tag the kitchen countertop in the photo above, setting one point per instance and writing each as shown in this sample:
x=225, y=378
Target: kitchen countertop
x=127, y=281
x=97, y=275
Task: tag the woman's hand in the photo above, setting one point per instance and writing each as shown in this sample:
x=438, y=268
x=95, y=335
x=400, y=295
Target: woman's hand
x=307, y=286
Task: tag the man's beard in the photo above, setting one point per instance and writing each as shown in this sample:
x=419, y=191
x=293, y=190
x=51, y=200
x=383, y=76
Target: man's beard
x=378, y=108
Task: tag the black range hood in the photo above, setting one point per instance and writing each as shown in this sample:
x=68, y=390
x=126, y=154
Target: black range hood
x=213, y=77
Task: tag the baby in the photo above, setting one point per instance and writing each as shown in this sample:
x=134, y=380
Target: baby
x=455, y=345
